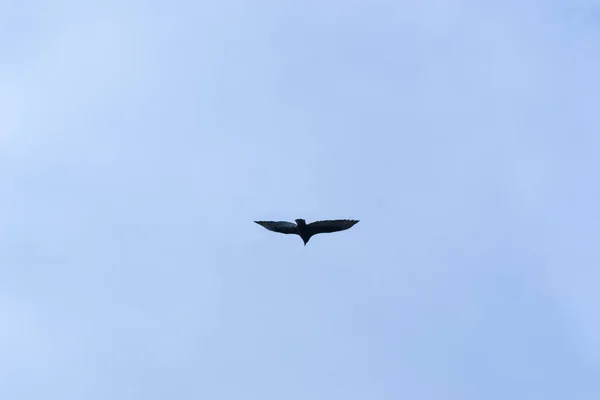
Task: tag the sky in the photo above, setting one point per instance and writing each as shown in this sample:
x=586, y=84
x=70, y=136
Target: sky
x=140, y=140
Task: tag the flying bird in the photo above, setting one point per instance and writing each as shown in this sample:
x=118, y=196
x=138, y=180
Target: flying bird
x=306, y=231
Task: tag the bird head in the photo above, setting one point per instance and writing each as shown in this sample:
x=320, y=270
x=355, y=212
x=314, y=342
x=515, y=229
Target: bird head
x=300, y=222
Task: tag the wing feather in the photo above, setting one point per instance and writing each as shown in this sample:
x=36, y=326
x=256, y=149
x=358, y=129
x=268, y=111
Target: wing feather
x=279, y=226
x=329, y=226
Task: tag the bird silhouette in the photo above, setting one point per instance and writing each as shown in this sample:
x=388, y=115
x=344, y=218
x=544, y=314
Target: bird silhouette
x=306, y=231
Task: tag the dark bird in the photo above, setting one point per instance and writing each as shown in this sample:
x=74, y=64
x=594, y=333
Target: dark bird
x=305, y=231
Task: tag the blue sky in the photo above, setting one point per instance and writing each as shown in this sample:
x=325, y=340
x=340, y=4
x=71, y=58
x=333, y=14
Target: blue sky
x=139, y=140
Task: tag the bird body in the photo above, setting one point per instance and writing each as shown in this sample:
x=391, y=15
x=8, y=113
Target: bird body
x=306, y=231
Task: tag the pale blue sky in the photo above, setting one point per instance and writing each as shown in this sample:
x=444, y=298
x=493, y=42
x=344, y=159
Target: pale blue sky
x=139, y=140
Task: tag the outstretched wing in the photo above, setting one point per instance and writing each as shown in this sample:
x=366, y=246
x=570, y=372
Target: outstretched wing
x=279, y=226
x=330, y=226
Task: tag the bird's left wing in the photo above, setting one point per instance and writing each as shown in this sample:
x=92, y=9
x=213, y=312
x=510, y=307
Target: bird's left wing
x=279, y=226
x=330, y=226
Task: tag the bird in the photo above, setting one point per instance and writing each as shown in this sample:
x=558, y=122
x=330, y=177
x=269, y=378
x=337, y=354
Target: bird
x=306, y=231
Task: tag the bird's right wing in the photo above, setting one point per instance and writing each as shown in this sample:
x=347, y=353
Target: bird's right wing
x=279, y=226
x=330, y=226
